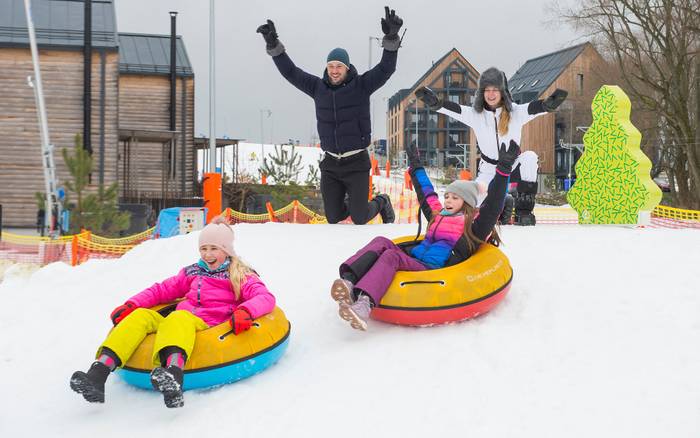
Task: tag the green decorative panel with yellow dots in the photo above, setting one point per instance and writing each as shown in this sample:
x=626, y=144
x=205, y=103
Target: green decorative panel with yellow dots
x=613, y=182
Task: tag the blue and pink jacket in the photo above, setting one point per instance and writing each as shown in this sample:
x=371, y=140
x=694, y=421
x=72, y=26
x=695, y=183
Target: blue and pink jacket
x=445, y=236
x=209, y=294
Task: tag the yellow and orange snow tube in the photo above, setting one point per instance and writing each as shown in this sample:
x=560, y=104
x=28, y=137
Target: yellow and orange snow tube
x=454, y=293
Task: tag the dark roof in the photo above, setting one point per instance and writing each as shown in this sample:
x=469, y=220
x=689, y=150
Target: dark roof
x=398, y=97
x=537, y=74
x=150, y=54
x=57, y=23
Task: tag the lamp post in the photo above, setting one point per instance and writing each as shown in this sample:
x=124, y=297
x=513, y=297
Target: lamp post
x=212, y=181
x=262, y=135
x=212, y=87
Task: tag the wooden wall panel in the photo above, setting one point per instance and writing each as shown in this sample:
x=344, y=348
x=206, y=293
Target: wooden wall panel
x=21, y=173
x=538, y=136
x=144, y=103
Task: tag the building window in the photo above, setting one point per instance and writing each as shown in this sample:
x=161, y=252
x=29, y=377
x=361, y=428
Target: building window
x=454, y=98
x=535, y=82
x=579, y=83
x=521, y=85
x=560, y=162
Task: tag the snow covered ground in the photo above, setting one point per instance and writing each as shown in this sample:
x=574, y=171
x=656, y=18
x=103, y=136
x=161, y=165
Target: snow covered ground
x=599, y=336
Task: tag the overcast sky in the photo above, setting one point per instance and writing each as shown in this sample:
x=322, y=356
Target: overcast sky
x=503, y=34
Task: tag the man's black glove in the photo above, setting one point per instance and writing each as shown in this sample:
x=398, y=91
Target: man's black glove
x=554, y=100
x=391, y=23
x=506, y=158
x=269, y=32
x=413, y=156
x=429, y=98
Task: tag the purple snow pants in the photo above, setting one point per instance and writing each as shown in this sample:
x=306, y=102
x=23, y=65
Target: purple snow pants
x=375, y=279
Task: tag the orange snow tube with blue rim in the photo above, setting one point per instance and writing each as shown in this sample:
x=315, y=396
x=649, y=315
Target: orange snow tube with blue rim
x=454, y=293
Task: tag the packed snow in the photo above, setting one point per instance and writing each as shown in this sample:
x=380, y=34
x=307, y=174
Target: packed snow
x=598, y=336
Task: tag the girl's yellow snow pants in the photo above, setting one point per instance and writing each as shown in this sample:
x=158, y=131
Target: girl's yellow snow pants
x=176, y=330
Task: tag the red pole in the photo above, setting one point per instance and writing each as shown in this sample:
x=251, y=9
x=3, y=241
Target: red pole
x=270, y=212
x=74, y=250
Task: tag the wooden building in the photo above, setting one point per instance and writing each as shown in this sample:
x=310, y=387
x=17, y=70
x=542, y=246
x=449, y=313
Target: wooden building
x=61, y=57
x=439, y=138
x=130, y=108
x=154, y=162
x=557, y=138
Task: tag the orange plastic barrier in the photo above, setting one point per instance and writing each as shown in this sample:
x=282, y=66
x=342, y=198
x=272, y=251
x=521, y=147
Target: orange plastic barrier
x=212, y=194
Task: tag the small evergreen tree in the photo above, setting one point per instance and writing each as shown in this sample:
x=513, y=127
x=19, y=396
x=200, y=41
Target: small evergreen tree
x=97, y=212
x=284, y=167
x=313, y=178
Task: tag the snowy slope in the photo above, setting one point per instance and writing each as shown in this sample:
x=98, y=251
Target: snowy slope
x=599, y=336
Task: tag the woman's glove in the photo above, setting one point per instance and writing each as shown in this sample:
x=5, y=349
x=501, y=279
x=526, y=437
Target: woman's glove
x=506, y=158
x=413, y=156
x=269, y=32
x=554, y=100
x=240, y=321
x=429, y=98
x=122, y=311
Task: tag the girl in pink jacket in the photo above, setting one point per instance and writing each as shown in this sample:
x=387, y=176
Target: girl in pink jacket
x=219, y=287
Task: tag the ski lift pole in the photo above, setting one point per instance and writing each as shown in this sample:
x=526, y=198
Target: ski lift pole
x=52, y=204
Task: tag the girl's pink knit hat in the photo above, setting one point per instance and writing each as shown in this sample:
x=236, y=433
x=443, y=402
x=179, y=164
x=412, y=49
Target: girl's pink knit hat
x=219, y=235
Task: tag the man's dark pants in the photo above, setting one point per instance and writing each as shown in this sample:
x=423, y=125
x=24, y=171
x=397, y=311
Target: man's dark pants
x=347, y=175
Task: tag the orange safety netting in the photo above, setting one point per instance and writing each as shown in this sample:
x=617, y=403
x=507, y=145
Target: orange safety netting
x=75, y=249
x=72, y=249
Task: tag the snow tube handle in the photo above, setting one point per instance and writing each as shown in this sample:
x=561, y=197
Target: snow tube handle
x=225, y=335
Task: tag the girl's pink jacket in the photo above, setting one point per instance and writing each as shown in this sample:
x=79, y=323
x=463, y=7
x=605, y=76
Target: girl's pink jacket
x=208, y=295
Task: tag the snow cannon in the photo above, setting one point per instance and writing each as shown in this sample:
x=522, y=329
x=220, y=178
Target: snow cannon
x=219, y=356
x=454, y=293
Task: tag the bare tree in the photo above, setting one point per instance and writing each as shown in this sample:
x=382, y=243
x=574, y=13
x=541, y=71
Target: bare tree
x=654, y=46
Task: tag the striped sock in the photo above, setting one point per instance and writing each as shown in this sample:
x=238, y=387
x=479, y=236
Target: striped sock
x=107, y=360
x=177, y=359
